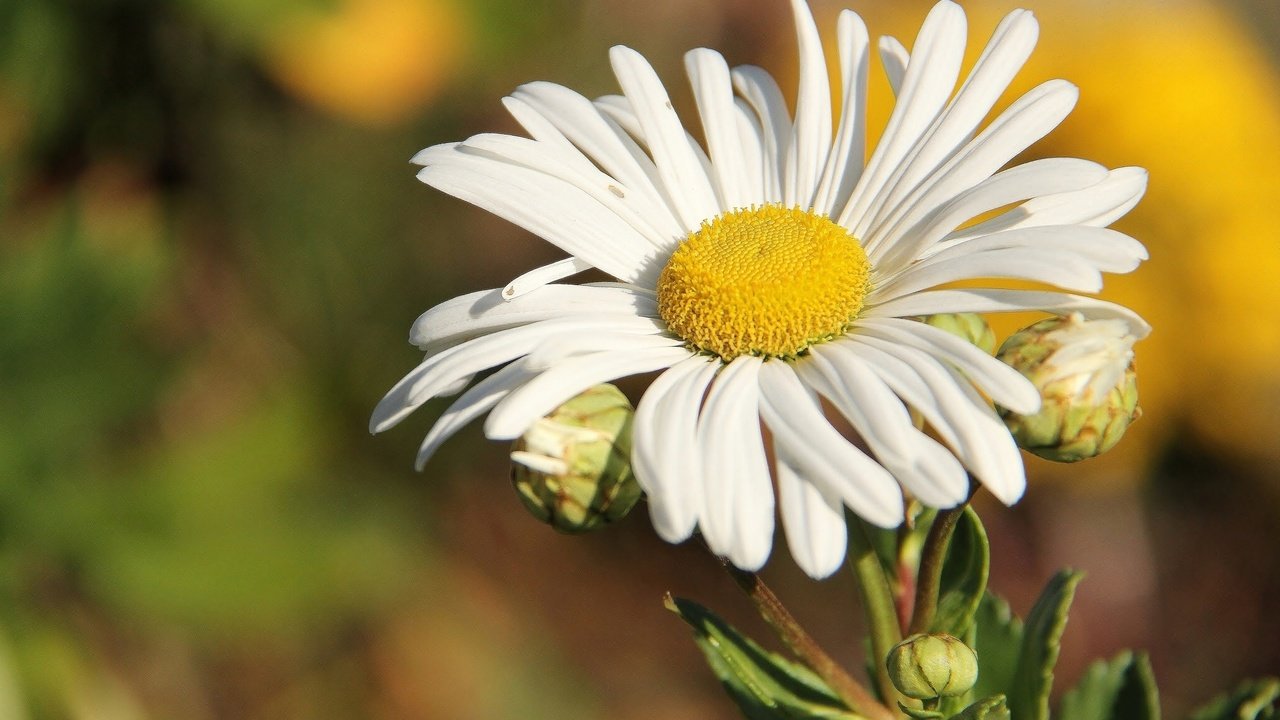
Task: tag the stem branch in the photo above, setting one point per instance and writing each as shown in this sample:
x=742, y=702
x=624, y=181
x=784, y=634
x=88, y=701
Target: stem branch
x=858, y=698
x=929, y=579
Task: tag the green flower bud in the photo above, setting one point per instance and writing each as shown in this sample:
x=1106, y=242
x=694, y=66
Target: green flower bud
x=932, y=666
x=1084, y=371
x=969, y=326
x=572, y=468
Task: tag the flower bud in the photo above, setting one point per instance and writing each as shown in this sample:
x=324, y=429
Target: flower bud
x=572, y=468
x=1084, y=372
x=969, y=326
x=931, y=666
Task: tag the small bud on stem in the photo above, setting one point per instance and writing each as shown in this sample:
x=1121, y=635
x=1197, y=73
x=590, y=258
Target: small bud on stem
x=572, y=468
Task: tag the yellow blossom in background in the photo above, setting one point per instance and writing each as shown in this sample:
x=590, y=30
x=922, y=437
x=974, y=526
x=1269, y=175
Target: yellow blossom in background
x=374, y=62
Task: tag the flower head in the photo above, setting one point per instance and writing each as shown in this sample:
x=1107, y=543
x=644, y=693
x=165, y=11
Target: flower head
x=776, y=274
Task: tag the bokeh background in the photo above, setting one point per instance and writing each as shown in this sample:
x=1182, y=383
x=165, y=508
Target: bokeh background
x=212, y=246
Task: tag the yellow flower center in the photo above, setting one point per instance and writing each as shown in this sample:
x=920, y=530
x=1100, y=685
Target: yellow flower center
x=767, y=281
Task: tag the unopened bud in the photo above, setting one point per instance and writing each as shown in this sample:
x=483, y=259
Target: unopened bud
x=572, y=468
x=932, y=666
x=1084, y=372
x=969, y=326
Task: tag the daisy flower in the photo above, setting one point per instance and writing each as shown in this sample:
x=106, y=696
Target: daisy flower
x=775, y=273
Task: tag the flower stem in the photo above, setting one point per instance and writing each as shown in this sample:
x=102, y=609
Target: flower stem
x=878, y=602
x=929, y=579
x=797, y=639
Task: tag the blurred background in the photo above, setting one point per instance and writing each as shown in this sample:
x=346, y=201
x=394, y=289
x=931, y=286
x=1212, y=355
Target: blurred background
x=212, y=246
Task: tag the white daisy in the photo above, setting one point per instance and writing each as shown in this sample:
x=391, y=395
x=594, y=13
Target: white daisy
x=774, y=274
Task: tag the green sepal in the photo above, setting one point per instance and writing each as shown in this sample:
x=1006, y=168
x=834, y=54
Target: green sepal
x=920, y=713
x=996, y=637
x=992, y=708
x=1041, y=638
x=1255, y=699
x=1123, y=688
x=765, y=685
x=964, y=576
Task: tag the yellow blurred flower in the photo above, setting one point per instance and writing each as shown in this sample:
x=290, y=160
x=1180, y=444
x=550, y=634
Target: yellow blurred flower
x=374, y=62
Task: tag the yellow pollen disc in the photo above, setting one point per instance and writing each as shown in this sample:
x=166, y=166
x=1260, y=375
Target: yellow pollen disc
x=767, y=281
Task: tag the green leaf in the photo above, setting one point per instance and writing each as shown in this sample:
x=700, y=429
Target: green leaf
x=1123, y=688
x=997, y=640
x=992, y=708
x=765, y=685
x=1041, y=638
x=964, y=576
x=1254, y=699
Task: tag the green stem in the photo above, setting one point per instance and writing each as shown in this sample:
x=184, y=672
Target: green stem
x=878, y=601
x=797, y=639
x=929, y=579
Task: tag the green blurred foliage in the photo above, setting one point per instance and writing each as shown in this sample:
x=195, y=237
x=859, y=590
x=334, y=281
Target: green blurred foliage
x=199, y=281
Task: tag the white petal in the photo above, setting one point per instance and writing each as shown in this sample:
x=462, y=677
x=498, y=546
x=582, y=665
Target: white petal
x=1096, y=206
x=639, y=334
x=812, y=519
x=738, y=505
x=811, y=135
x=480, y=313
x=569, y=377
x=762, y=93
x=545, y=275
x=601, y=140
x=820, y=453
x=713, y=90
x=1029, y=180
x=679, y=167
x=1004, y=55
x=665, y=454
x=471, y=405
x=1052, y=266
x=895, y=58
x=930, y=78
x=952, y=408
x=1107, y=250
x=844, y=166
x=541, y=129
x=1027, y=120
x=610, y=192
x=549, y=207
x=441, y=371
x=752, y=135
x=926, y=468
x=982, y=300
x=1004, y=384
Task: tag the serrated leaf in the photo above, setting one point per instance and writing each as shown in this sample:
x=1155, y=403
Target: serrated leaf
x=1123, y=688
x=997, y=640
x=765, y=685
x=1255, y=699
x=992, y=708
x=964, y=576
x=1041, y=643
